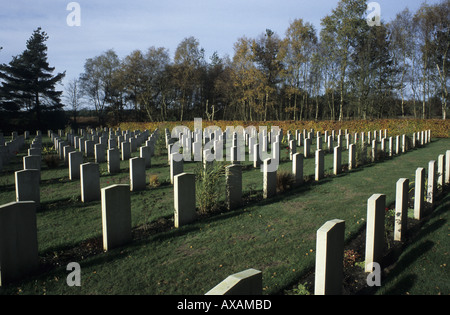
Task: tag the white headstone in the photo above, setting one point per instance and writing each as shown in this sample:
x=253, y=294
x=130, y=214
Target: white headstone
x=329, y=258
x=90, y=182
x=116, y=216
x=184, y=199
x=233, y=179
x=269, y=180
x=401, y=209
x=419, y=189
x=375, y=242
x=18, y=241
x=137, y=174
x=431, y=184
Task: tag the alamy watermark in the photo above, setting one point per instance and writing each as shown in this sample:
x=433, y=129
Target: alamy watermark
x=374, y=278
x=74, y=277
x=74, y=17
x=234, y=140
x=374, y=14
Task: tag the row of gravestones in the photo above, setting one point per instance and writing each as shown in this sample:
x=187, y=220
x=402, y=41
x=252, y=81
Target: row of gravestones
x=27, y=180
x=269, y=173
x=191, y=140
x=128, y=143
x=184, y=183
x=209, y=146
x=27, y=189
x=19, y=233
x=18, y=230
x=10, y=148
x=94, y=143
x=330, y=237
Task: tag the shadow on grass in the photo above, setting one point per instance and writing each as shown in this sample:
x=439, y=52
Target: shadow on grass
x=403, y=285
x=163, y=229
x=404, y=254
x=395, y=261
x=62, y=203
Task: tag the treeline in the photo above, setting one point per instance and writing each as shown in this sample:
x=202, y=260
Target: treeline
x=28, y=96
x=348, y=70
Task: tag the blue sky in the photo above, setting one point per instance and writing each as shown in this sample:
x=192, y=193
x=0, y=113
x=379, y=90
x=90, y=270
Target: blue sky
x=138, y=24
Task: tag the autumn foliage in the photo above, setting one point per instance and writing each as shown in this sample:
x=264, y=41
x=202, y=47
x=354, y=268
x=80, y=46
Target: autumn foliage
x=439, y=128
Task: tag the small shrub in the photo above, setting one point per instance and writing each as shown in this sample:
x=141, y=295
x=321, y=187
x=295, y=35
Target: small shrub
x=360, y=264
x=301, y=290
x=360, y=154
x=154, y=180
x=351, y=257
x=52, y=160
x=285, y=180
x=46, y=150
x=380, y=155
x=209, y=186
x=389, y=222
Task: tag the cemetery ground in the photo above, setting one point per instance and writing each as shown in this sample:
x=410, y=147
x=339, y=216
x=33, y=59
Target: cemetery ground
x=275, y=235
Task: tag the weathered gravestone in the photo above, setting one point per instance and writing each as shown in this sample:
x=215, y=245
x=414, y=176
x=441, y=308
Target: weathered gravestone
x=113, y=159
x=176, y=165
x=292, y=149
x=18, y=241
x=269, y=179
x=137, y=174
x=34, y=151
x=351, y=157
x=297, y=168
x=89, y=148
x=306, y=148
x=90, y=182
x=75, y=160
x=401, y=209
x=116, y=216
x=256, y=156
x=391, y=146
x=184, y=199
x=66, y=150
x=375, y=242
x=125, y=150
x=374, y=150
x=145, y=153
x=440, y=172
x=100, y=153
x=32, y=162
x=27, y=186
x=233, y=179
x=247, y=282
x=419, y=189
x=431, y=184
x=319, y=166
x=337, y=157
x=329, y=258
x=81, y=146
x=447, y=167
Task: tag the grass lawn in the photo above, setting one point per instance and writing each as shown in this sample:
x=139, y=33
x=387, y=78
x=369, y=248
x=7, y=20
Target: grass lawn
x=276, y=236
x=422, y=267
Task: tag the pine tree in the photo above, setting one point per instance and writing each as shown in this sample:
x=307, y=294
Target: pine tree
x=28, y=82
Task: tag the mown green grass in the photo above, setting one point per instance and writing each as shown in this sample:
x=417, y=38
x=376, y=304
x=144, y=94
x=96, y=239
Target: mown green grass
x=276, y=236
x=422, y=268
